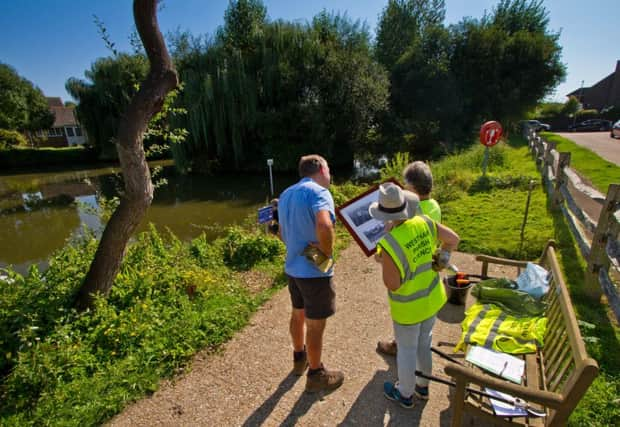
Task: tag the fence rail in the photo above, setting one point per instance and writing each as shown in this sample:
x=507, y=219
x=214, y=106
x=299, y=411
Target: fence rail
x=594, y=219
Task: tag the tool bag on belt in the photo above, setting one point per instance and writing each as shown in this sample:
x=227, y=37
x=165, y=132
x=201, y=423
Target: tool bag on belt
x=489, y=326
x=504, y=293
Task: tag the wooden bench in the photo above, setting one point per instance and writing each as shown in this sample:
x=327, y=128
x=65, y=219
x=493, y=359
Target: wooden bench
x=556, y=377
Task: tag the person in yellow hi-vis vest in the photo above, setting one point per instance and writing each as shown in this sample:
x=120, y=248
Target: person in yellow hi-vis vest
x=419, y=179
x=409, y=267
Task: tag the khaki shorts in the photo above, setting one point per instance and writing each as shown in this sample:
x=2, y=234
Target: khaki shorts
x=315, y=295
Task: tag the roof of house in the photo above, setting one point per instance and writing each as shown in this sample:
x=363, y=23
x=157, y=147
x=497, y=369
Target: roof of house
x=54, y=101
x=582, y=90
x=63, y=116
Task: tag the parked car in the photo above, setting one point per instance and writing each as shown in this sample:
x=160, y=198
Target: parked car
x=591, y=125
x=615, y=130
x=537, y=126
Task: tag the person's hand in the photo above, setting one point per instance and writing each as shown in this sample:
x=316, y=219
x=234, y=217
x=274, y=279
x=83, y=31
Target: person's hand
x=441, y=259
x=378, y=257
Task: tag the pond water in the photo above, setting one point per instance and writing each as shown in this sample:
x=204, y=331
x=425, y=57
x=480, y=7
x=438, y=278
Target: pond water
x=39, y=212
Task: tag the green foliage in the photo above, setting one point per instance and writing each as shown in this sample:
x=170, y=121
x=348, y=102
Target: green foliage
x=402, y=22
x=345, y=192
x=587, y=114
x=11, y=138
x=104, y=95
x=590, y=165
x=526, y=62
x=395, y=167
x=318, y=77
x=571, y=106
x=82, y=368
x=243, y=24
x=242, y=251
x=550, y=109
x=22, y=105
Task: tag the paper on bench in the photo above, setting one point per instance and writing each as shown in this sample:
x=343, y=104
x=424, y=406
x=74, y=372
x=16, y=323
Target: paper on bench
x=501, y=364
x=504, y=409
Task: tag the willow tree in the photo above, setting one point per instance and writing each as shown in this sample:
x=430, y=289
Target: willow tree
x=138, y=191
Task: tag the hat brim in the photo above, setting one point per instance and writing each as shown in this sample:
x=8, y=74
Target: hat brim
x=409, y=211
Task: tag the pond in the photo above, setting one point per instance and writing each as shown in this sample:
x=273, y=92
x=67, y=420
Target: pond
x=40, y=212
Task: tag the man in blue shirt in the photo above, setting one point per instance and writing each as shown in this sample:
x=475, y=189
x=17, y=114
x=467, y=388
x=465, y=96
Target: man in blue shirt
x=306, y=216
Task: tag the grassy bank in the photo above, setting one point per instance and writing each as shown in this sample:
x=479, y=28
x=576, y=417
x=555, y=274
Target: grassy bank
x=488, y=213
x=170, y=299
x=588, y=164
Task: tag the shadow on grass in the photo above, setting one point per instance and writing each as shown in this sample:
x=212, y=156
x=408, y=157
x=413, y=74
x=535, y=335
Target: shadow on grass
x=516, y=141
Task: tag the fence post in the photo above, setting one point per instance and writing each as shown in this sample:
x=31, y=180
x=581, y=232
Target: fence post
x=598, y=258
x=547, y=159
x=560, y=178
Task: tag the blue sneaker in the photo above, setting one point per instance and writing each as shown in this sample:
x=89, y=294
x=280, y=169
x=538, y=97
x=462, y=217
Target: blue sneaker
x=421, y=392
x=391, y=392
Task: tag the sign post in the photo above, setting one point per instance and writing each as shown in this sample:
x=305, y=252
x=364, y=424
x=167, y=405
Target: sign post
x=490, y=133
x=270, y=163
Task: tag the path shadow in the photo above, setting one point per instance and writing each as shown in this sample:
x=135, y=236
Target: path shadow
x=301, y=407
x=451, y=313
x=259, y=416
x=372, y=408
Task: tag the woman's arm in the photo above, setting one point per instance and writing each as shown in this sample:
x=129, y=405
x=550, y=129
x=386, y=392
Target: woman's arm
x=391, y=274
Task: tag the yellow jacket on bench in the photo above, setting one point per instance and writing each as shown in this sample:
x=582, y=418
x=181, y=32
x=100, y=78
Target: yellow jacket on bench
x=487, y=325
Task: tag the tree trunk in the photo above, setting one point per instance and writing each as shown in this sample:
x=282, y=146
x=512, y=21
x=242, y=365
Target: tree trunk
x=138, y=194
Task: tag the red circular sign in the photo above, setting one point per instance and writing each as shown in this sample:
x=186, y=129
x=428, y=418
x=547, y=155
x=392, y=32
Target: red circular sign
x=490, y=133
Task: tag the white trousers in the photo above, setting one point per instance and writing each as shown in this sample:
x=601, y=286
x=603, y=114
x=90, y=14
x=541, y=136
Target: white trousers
x=414, y=352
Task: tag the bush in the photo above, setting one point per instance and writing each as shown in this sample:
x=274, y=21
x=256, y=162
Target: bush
x=243, y=251
x=11, y=138
x=587, y=114
x=62, y=367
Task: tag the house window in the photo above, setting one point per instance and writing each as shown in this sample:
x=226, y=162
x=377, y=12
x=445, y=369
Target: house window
x=78, y=131
x=69, y=132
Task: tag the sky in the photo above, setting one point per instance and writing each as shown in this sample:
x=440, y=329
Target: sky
x=49, y=41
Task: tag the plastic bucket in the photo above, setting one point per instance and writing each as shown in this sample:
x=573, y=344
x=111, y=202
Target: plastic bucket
x=456, y=294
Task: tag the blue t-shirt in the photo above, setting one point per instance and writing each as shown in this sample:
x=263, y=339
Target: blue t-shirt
x=297, y=209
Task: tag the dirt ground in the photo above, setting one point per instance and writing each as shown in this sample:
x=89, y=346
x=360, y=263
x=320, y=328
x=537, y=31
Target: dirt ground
x=249, y=382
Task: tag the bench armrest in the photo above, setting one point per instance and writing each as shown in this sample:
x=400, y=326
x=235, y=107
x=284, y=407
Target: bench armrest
x=545, y=398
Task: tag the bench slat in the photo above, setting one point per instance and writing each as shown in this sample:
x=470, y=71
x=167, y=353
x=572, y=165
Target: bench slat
x=565, y=369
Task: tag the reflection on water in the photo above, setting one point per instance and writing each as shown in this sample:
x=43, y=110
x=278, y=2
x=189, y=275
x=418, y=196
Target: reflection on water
x=40, y=212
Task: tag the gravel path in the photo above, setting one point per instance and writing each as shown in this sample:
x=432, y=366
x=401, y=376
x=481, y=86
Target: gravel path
x=249, y=382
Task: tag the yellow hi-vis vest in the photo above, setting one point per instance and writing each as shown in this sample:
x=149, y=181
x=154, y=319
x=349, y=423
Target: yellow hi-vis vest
x=487, y=325
x=421, y=294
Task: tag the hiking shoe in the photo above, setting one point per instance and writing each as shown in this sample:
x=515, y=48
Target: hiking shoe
x=323, y=380
x=421, y=392
x=391, y=392
x=300, y=362
x=387, y=347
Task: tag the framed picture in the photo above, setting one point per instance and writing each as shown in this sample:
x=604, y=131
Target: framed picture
x=366, y=230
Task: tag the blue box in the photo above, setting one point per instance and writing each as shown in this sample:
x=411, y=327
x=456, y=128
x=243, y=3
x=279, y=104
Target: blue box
x=265, y=214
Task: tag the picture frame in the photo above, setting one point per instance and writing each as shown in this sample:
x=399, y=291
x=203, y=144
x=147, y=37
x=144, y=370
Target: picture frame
x=364, y=229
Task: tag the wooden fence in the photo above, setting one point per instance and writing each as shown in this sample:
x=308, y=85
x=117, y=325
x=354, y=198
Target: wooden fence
x=593, y=218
